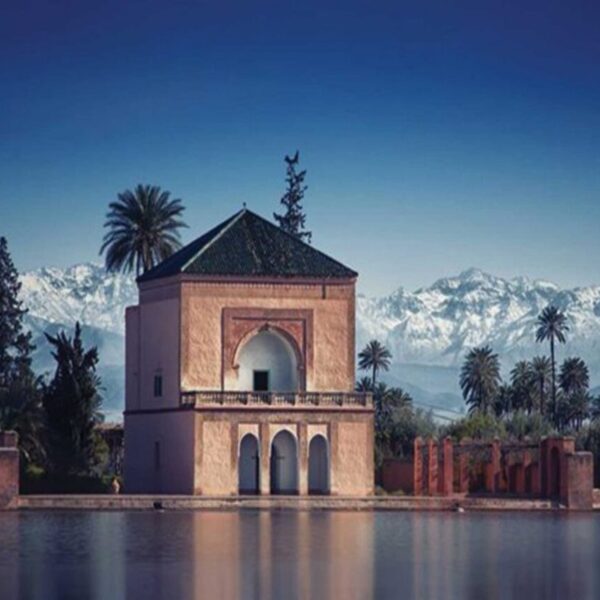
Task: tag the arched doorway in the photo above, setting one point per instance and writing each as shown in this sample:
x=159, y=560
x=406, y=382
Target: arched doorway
x=267, y=362
x=318, y=466
x=249, y=466
x=284, y=464
x=554, y=473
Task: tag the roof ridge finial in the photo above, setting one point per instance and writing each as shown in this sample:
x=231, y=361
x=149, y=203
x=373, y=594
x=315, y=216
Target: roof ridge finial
x=244, y=206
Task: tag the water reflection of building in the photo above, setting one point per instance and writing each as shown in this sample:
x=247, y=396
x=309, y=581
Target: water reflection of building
x=240, y=370
x=271, y=555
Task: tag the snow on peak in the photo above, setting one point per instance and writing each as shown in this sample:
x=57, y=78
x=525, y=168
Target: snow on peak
x=431, y=326
x=84, y=292
x=437, y=324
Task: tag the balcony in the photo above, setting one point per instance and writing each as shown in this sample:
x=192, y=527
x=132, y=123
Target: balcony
x=302, y=400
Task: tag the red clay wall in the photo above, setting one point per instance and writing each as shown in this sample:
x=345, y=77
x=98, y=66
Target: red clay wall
x=397, y=474
x=553, y=470
x=9, y=469
x=579, y=491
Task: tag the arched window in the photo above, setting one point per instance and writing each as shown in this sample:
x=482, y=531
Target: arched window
x=249, y=465
x=267, y=362
x=284, y=464
x=318, y=466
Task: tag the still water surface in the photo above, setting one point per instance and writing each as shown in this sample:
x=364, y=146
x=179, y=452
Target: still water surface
x=287, y=555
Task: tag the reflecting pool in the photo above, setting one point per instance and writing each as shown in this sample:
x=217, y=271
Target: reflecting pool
x=287, y=555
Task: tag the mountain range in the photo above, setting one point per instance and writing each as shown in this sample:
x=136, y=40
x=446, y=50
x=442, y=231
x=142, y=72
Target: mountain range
x=428, y=331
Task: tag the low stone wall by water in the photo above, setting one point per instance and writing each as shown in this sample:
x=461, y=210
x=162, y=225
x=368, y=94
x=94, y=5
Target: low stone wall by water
x=550, y=470
x=9, y=469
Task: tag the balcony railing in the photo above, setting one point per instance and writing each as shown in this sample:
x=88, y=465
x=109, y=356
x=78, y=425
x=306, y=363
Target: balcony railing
x=200, y=399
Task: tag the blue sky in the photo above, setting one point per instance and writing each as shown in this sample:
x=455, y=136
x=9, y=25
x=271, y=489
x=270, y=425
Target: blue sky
x=436, y=137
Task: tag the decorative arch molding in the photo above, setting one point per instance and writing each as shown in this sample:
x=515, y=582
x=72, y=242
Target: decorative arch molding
x=240, y=324
x=245, y=429
x=290, y=339
x=275, y=430
x=313, y=430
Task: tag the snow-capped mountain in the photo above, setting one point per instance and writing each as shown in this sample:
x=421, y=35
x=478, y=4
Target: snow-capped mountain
x=435, y=325
x=57, y=298
x=428, y=331
x=85, y=293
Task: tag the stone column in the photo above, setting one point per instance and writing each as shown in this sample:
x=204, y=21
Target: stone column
x=265, y=460
x=9, y=470
x=418, y=467
x=527, y=483
x=302, y=459
x=446, y=474
x=492, y=472
x=463, y=467
x=432, y=468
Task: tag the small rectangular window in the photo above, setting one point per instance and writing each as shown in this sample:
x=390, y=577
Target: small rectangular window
x=158, y=386
x=261, y=381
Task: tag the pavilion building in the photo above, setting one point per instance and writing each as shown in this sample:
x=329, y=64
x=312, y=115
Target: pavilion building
x=240, y=370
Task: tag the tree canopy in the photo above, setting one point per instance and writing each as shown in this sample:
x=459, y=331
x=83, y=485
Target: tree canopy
x=293, y=219
x=143, y=229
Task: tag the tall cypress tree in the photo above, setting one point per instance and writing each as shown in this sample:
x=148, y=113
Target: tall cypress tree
x=15, y=343
x=293, y=219
x=72, y=405
x=20, y=401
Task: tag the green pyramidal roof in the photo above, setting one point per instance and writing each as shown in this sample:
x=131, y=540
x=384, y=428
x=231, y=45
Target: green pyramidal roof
x=247, y=245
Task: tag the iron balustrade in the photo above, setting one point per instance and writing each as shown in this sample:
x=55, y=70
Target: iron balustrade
x=198, y=399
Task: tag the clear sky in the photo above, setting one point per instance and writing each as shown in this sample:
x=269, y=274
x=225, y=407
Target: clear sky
x=437, y=136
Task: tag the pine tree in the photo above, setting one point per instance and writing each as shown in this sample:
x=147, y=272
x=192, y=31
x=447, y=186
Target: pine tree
x=15, y=343
x=71, y=405
x=293, y=220
x=20, y=401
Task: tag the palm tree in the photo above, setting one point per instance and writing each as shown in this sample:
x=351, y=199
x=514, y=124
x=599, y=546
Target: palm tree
x=143, y=229
x=574, y=376
x=364, y=384
x=503, y=403
x=574, y=381
x=398, y=398
x=595, y=408
x=552, y=326
x=374, y=356
x=574, y=409
x=523, y=385
x=542, y=373
x=480, y=378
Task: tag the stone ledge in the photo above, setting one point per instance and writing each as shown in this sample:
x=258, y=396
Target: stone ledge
x=171, y=502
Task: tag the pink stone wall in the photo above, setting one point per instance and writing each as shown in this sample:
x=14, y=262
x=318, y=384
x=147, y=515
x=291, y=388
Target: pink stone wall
x=348, y=436
x=180, y=331
x=132, y=358
x=153, y=348
x=9, y=469
x=173, y=431
x=332, y=308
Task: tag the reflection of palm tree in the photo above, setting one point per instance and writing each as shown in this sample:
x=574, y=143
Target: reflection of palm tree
x=552, y=326
x=542, y=373
x=374, y=356
x=143, y=229
x=480, y=378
